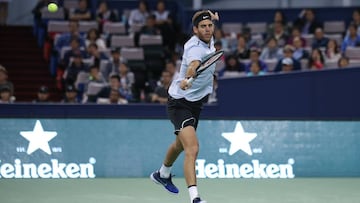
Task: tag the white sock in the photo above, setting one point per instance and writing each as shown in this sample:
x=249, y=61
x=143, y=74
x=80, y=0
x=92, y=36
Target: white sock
x=193, y=192
x=165, y=171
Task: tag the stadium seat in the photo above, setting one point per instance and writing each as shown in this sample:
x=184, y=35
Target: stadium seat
x=58, y=15
x=271, y=64
x=150, y=40
x=71, y=4
x=122, y=41
x=331, y=65
x=354, y=63
x=132, y=53
x=135, y=28
x=229, y=28
x=308, y=38
x=334, y=26
x=85, y=26
x=337, y=37
x=114, y=28
x=257, y=27
x=353, y=52
x=58, y=26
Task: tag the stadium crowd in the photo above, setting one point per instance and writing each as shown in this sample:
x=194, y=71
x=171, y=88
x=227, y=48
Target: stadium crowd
x=106, y=58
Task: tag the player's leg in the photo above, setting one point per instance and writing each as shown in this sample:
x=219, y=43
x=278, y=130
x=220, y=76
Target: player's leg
x=173, y=152
x=191, y=148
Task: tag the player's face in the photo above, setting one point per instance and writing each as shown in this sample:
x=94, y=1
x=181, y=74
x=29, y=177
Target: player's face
x=204, y=30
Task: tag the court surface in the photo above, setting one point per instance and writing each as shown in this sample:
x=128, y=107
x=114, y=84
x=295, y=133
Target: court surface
x=142, y=190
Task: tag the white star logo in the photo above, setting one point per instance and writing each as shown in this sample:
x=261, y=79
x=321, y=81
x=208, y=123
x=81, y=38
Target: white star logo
x=239, y=139
x=38, y=138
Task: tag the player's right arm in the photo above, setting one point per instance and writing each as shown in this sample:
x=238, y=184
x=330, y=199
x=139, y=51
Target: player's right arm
x=190, y=72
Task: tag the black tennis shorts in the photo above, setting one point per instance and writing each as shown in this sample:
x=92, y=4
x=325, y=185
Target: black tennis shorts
x=184, y=113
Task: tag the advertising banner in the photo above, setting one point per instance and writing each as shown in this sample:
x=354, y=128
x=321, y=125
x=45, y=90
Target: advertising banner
x=90, y=148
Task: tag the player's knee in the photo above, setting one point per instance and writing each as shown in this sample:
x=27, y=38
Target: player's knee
x=192, y=150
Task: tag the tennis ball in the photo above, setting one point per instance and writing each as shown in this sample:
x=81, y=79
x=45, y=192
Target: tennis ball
x=52, y=7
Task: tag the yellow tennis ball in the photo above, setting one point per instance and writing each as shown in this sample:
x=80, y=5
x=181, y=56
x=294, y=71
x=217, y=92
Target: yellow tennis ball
x=52, y=7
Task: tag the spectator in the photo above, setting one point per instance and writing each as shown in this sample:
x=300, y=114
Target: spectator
x=279, y=34
x=288, y=52
x=127, y=79
x=5, y=95
x=114, y=98
x=320, y=41
x=219, y=36
x=82, y=12
x=112, y=67
x=160, y=94
x=299, y=51
x=161, y=14
x=255, y=69
x=114, y=83
x=170, y=66
x=95, y=55
x=351, y=40
x=307, y=21
x=316, y=60
x=43, y=95
x=150, y=28
x=343, y=62
x=139, y=15
x=93, y=36
x=271, y=51
x=65, y=38
x=71, y=96
x=332, y=52
x=4, y=82
x=295, y=32
x=279, y=17
x=287, y=65
x=356, y=19
x=104, y=14
x=233, y=67
x=95, y=75
x=242, y=51
x=73, y=70
x=255, y=57
x=75, y=49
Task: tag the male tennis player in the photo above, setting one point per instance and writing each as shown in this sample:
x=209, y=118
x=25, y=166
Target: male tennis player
x=185, y=104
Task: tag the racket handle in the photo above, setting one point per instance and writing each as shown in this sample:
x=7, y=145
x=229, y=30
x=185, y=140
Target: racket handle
x=190, y=80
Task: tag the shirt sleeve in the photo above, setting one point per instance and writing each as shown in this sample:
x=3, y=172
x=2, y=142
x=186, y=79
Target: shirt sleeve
x=195, y=53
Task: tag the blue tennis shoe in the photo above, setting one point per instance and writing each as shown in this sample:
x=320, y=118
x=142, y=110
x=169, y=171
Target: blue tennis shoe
x=166, y=182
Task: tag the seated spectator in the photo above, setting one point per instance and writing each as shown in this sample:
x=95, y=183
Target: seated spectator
x=279, y=34
x=255, y=57
x=4, y=82
x=255, y=69
x=287, y=65
x=114, y=83
x=307, y=21
x=114, y=62
x=170, y=66
x=242, y=51
x=319, y=41
x=351, y=40
x=271, y=51
x=332, y=52
x=316, y=60
x=72, y=71
x=295, y=32
x=43, y=95
x=233, y=68
x=71, y=95
x=139, y=15
x=95, y=55
x=114, y=98
x=299, y=51
x=75, y=49
x=219, y=36
x=150, y=28
x=279, y=17
x=82, y=12
x=356, y=19
x=65, y=38
x=95, y=75
x=160, y=94
x=93, y=36
x=127, y=78
x=5, y=95
x=343, y=62
x=288, y=52
x=104, y=14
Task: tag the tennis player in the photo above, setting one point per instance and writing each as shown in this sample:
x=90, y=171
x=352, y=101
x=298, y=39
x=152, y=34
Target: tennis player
x=185, y=104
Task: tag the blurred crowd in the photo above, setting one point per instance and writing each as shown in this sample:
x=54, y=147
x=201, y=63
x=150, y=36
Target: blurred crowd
x=90, y=68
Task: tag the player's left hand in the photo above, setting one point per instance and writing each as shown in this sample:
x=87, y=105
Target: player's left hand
x=214, y=16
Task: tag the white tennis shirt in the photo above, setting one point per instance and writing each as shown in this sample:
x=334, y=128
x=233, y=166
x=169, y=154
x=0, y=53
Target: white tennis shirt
x=194, y=49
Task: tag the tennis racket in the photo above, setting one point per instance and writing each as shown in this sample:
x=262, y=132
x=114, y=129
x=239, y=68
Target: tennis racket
x=210, y=59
